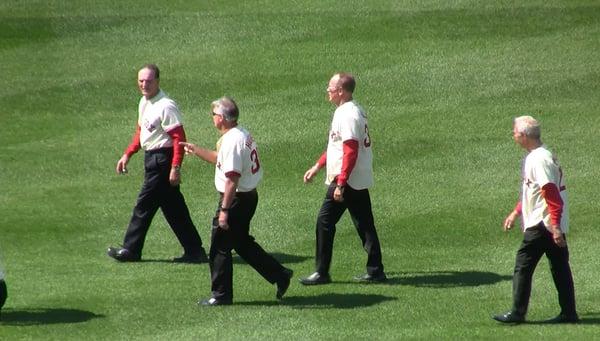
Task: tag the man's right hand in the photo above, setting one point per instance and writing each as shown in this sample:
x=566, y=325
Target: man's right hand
x=122, y=164
x=510, y=221
x=310, y=174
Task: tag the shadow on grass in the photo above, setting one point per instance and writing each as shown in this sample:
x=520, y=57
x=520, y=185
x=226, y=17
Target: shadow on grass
x=325, y=301
x=586, y=318
x=445, y=279
x=30, y=317
x=281, y=257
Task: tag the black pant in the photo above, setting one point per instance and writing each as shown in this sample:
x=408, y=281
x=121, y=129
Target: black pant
x=3, y=293
x=237, y=237
x=157, y=192
x=537, y=241
x=358, y=203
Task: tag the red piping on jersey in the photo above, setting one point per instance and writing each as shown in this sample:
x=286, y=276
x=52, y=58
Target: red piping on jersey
x=233, y=174
x=551, y=194
x=135, y=145
x=350, y=149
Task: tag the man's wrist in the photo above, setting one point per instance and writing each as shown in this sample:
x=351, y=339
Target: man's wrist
x=176, y=168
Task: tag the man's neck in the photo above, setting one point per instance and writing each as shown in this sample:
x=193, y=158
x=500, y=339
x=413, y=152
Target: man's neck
x=533, y=144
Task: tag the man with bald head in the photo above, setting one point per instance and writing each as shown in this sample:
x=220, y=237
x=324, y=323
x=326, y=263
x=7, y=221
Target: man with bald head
x=349, y=163
x=158, y=132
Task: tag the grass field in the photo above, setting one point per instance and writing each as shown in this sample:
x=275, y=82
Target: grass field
x=441, y=81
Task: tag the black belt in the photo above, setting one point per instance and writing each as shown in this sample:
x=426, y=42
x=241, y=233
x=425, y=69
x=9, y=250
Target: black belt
x=159, y=151
x=241, y=194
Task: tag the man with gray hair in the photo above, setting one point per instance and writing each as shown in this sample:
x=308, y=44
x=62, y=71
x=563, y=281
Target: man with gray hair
x=237, y=174
x=543, y=208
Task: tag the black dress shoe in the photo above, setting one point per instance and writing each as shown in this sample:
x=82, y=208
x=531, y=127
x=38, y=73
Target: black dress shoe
x=316, y=279
x=211, y=302
x=367, y=278
x=122, y=255
x=284, y=283
x=562, y=318
x=509, y=317
x=192, y=259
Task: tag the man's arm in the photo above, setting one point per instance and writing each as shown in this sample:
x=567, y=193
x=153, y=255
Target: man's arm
x=350, y=154
x=510, y=219
x=203, y=153
x=228, y=195
x=551, y=194
x=177, y=134
x=133, y=147
x=312, y=171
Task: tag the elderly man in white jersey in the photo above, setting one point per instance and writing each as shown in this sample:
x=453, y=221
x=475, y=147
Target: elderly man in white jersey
x=348, y=159
x=545, y=221
x=159, y=130
x=237, y=174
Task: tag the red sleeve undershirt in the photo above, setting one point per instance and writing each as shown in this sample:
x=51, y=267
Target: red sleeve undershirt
x=135, y=145
x=178, y=135
x=322, y=160
x=518, y=208
x=551, y=194
x=350, y=149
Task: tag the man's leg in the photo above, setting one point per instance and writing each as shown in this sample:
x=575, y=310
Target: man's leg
x=359, y=205
x=330, y=213
x=528, y=256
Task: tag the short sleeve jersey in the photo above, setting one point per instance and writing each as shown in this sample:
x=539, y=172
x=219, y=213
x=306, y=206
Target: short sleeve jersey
x=541, y=167
x=350, y=123
x=237, y=153
x=157, y=116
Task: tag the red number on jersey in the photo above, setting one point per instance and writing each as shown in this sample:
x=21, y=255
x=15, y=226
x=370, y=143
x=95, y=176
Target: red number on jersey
x=367, y=140
x=255, y=162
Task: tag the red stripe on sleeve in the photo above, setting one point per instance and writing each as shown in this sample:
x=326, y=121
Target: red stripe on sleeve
x=555, y=204
x=135, y=145
x=178, y=135
x=348, y=161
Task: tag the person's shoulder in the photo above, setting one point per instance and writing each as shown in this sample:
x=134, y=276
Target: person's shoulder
x=540, y=154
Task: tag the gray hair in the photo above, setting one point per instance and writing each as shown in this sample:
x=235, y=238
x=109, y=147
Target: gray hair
x=226, y=107
x=528, y=126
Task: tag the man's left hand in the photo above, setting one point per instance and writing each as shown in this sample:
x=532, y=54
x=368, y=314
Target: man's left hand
x=558, y=237
x=338, y=194
x=174, y=177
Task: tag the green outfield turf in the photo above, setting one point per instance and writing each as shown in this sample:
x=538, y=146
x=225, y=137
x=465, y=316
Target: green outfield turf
x=441, y=81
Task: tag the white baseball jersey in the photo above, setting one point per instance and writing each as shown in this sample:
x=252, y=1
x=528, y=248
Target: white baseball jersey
x=540, y=167
x=350, y=123
x=157, y=116
x=238, y=154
